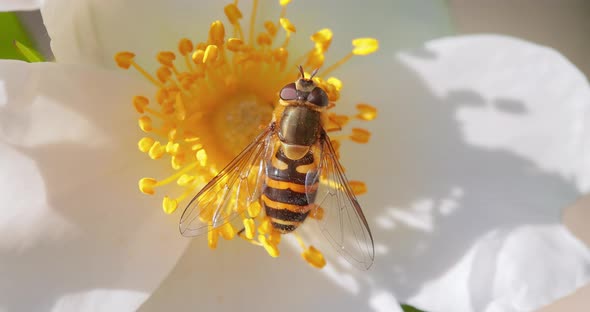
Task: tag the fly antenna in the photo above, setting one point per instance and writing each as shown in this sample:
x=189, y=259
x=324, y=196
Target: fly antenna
x=301, y=71
x=315, y=71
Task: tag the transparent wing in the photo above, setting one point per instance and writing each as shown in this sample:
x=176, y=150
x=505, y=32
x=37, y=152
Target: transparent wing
x=343, y=222
x=230, y=193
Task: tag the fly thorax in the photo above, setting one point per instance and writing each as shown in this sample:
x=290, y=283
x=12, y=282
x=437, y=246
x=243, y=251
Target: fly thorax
x=299, y=128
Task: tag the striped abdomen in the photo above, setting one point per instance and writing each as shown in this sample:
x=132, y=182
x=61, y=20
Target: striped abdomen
x=284, y=197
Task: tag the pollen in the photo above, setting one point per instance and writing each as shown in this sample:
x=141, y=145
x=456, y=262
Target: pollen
x=212, y=95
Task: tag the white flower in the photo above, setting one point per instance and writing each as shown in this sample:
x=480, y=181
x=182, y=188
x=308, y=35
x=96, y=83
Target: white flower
x=478, y=147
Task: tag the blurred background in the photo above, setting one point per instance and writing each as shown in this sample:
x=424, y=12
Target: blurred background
x=561, y=24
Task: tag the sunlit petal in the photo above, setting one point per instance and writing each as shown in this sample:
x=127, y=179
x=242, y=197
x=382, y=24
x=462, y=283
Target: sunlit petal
x=488, y=134
x=20, y=5
x=74, y=229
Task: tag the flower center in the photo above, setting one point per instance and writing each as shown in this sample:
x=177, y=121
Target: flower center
x=212, y=98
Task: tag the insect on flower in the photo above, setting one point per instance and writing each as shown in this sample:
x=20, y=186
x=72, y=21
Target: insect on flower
x=292, y=171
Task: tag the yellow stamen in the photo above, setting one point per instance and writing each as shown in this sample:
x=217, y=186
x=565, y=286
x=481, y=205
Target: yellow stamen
x=358, y=187
x=216, y=98
x=217, y=33
x=271, y=28
x=322, y=39
x=249, y=228
x=287, y=25
x=210, y=54
x=169, y=205
x=254, y=209
x=140, y=103
x=146, y=185
x=163, y=74
x=366, y=112
x=145, y=144
x=156, y=150
x=318, y=214
x=212, y=237
x=365, y=46
x=235, y=44
x=124, y=59
x=227, y=231
x=166, y=58
x=360, y=135
x=145, y=123
x=270, y=248
x=314, y=257
x=185, y=46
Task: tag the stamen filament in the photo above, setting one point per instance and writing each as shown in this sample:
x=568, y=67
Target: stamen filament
x=334, y=66
x=144, y=73
x=177, y=175
x=252, y=21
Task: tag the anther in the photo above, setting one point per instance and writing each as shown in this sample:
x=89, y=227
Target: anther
x=176, y=161
x=271, y=249
x=210, y=54
x=271, y=28
x=249, y=228
x=335, y=82
x=254, y=209
x=146, y=185
x=322, y=39
x=360, y=135
x=314, y=257
x=212, y=237
x=227, y=231
x=169, y=205
x=166, y=58
x=264, y=226
x=145, y=123
x=366, y=112
x=364, y=46
x=172, y=148
x=235, y=44
x=202, y=157
x=145, y=144
x=185, y=46
x=264, y=39
x=217, y=33
x=198, y=56
x=318, y=214
x=140, y=103
x=233, y=13
x=358, y=187
x=124, y=59
x=287, y=25
x=156, y=151
x=164, y=73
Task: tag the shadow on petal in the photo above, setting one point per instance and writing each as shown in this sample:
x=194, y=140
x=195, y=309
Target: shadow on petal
x=434, y=192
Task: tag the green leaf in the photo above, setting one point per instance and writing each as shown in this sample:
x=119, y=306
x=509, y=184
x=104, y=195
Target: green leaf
x=30, y=54
x=409, y=308
x=12, y=30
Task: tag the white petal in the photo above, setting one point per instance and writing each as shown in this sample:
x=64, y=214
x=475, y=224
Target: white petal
x=92, y=31
x=75, y=234
x=478, y=145
x=19, y=5
x=84, y=31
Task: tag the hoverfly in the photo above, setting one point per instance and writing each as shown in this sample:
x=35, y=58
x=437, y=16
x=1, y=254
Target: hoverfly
x=292, y=170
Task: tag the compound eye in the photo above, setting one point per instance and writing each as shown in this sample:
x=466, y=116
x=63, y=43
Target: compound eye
x=289, y=92
x=318, y=97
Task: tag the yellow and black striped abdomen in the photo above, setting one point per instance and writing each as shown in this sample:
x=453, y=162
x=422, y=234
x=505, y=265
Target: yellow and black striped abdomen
x=284, y=198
